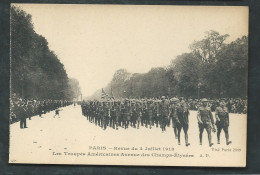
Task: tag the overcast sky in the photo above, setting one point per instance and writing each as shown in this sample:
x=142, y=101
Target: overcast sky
x=93, y=41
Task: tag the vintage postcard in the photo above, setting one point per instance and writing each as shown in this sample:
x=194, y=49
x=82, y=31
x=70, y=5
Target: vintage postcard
x=144, y=85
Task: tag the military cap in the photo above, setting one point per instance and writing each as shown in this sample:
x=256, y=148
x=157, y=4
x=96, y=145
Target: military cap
x=204, y=100
x=174, y=99
x=163, y=97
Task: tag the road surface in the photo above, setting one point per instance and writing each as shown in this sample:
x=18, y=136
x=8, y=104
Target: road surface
x=72, y=139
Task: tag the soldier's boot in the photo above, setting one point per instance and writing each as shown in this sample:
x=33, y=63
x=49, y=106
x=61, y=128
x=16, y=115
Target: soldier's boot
x=125, y=125
x=218, y=141
x=179, y=140
x=175, y=132
x=24, y=123
x=210, y=142
x=134, y=125
x=186, y=138
x=227, y=138
x=21, y=124
x=229, y=142
x=200, y=138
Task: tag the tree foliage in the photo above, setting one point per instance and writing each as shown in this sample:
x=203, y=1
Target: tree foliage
x=36, y=71
x=212, y=69
x=207, y=48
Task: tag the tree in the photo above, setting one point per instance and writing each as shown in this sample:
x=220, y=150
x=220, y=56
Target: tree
x=212, y=69
x=232, y=68
x=36, y=71
x=207, y=48
x=185, y=73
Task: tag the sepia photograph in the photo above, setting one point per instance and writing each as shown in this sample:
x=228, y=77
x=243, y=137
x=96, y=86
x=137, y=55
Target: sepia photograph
x=142, y=85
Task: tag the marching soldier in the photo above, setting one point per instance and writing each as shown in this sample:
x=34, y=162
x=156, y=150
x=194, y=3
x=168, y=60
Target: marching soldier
x=182, y=120
x=113, y=115
x=98, y=113
x=106, y=115
x=156, y=117
x=133, y=114
x=205, y=121
x=125, y=111
x=128, y=116
x=139, y=113
x=163, y=112
x=150, y=113
x=117, y=113
x=222, y=121
x=145, y=114
x=174, y=103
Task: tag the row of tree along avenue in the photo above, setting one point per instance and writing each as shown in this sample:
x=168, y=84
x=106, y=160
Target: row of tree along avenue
x=212, y=69
x=36, y=71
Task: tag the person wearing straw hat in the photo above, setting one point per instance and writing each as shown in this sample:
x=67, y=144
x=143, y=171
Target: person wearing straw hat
x=222, y=121
x=205, y=121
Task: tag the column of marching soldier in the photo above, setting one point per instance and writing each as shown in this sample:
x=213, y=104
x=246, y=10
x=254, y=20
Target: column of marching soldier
x=21, y=109
x=148, y=112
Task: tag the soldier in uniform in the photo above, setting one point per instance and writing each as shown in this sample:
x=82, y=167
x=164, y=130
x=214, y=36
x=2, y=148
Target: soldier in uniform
x=145, y=114
x=163, y=112
x=222, y=121
x=156, y=117
x=139, y=113
x=125, y=111
x=99, y=113
x=113, y=115
x=133, y=114
x=150, y=112
x=205, y=121
x=117, y=113
x=128, y=115
x=182, y=120
x=106, y=115
x=174, y=103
